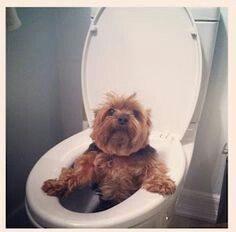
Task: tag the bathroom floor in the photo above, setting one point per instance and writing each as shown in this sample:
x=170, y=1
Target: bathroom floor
x=20, y=220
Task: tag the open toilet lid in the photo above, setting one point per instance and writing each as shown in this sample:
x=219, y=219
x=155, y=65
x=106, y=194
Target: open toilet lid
x=154, y=52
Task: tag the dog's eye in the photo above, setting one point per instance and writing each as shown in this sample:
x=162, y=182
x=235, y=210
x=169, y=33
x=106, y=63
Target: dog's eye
x=110, y=112
x=136, y=113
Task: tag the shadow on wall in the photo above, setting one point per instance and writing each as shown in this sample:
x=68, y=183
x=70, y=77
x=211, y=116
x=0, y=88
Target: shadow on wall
x=44, y=103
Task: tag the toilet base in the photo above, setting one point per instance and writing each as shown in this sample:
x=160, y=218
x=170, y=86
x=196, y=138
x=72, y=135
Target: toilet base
x=162, y=219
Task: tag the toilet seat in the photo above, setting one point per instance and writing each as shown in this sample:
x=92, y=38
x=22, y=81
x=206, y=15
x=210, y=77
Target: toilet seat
x=50, y=213
x=172, y=103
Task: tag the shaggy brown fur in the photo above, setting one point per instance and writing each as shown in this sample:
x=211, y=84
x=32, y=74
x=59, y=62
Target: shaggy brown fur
x=120, y=161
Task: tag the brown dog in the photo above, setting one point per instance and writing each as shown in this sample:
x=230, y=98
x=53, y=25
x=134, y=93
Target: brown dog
x=120, y=160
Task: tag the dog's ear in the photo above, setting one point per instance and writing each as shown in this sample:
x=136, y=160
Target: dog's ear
x=149, y=122
x=99, y=114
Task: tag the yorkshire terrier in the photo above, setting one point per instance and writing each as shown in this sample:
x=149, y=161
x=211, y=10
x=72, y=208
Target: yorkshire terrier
x=120, y=160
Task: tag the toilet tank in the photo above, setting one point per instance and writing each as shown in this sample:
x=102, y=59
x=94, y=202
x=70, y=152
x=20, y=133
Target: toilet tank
x=207, y=20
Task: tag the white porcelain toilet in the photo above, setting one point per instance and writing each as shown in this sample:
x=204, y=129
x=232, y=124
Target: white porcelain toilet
x=157, y=53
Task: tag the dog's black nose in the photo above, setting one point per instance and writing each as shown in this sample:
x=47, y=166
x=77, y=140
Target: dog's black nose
x=122, y=120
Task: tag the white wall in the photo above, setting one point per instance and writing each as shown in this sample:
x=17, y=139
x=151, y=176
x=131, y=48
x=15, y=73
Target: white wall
x=71, y=28
x=207, y=166
x=44, y=103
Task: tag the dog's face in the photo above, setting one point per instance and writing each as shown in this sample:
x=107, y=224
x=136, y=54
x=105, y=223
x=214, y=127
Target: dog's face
x=121, y=125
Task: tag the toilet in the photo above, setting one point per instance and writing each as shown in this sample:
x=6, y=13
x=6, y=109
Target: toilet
x=165, y=56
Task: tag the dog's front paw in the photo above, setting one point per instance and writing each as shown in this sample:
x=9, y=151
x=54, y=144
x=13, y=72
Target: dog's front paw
x=168, y=187
x=55, y=187
x=163, y=187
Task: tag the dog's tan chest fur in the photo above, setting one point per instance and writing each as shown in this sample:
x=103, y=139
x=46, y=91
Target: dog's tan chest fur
x=119, y=177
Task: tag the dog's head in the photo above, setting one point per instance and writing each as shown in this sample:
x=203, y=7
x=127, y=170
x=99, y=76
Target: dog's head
x=121, y=125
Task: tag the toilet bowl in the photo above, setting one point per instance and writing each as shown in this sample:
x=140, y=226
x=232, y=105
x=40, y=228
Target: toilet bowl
x=137, y=208
x=155, y=52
